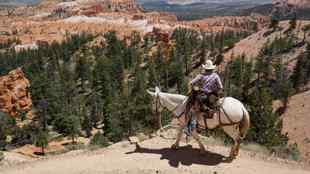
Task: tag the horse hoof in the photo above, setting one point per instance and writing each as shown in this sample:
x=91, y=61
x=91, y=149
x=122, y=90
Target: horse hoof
x=202, y=152
x=138, y=146
x=175, y=147
x=231, y=158
x=228, y=159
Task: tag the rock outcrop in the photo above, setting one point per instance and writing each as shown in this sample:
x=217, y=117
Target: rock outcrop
x=14, y=94
x=296, y=3
x=121, y=5
x=234, y=23
x=287, y=9
x=251, y=46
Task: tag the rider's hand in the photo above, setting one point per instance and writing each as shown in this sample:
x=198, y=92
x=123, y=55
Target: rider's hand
x=196, y=88
x=221, y=93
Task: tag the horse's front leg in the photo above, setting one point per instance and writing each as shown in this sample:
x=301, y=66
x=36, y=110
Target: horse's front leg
x=176, y=145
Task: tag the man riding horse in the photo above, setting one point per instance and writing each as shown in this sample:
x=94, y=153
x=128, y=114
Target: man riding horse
x=205, y=89
x=231, y=115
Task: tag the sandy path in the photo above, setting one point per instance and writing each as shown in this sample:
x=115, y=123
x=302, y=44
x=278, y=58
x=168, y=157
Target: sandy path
x=153, y=157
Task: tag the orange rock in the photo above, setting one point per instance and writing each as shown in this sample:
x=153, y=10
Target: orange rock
x=14, y=95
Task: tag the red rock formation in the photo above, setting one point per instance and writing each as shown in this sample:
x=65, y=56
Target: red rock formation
x=234, y=23
x=122, y=5
x=14, y=95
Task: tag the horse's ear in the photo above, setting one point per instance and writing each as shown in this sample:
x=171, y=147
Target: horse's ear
x=150, y=92
x=157, y=90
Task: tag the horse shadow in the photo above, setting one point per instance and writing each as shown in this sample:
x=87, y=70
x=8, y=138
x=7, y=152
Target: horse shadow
x=185, y=155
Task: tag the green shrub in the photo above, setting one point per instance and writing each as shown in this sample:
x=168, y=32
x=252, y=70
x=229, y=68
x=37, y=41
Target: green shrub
x=289, y=152
x=75, y=146
x=293, y=152
x=99, y=140
x=1, y=156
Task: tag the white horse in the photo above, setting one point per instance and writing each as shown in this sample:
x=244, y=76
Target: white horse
x=232, y=117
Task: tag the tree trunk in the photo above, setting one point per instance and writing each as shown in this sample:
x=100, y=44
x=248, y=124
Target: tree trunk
x=43, y=151
x=73, y=140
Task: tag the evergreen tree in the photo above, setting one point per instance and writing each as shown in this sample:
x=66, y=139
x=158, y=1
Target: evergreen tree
x=7, y=126
x=86, y=123
x=274, y=24
x=301, y=72
x=266, y=125
x=82, y=69
x=113, y=51
x=293, y=22
x=41, y=140
x=72, y=127
x=283, y=86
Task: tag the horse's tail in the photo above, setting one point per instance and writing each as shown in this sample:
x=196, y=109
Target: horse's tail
x=245, y=123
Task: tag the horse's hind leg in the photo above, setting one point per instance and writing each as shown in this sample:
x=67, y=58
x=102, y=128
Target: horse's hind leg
x=233, y=132
x=197, y=138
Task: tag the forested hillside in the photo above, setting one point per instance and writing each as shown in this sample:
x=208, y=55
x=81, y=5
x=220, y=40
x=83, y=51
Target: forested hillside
x=78, y=86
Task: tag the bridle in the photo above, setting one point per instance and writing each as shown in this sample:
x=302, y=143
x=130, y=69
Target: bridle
x=158, y=104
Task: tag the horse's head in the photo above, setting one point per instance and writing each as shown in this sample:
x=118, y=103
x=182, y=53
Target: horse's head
x=156, y=103
x=163, y=100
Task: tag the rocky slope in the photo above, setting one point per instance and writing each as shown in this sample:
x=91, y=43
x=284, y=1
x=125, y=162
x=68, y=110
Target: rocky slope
x=296, y=3
x=14, y=96
x=296, y=123
x=252, y=45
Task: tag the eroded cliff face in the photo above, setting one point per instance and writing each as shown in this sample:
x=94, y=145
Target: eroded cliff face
x=295, y=3
x=288, y=9
x=14, y=94
x=53, y=20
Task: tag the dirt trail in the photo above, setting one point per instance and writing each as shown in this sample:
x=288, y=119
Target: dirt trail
x=154, y=156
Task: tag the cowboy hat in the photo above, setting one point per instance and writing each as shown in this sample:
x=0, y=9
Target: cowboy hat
x=208, y=65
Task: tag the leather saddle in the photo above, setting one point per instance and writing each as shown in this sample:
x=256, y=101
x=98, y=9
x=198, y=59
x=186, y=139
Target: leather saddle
x=207, y=103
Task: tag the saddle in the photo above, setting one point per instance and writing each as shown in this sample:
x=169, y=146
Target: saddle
x=207, y=103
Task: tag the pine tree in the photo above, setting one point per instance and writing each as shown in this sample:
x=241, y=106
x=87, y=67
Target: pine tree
x=73, y=127
x=299, y=77
x=152, y=75
x=86, y=124
x=274, y=24
x=7, y=124
x=114, y=52
x=115, y=119
x=239, y=77
x=177, y=72
x=266, y=125
x=82, y=69
x=293, y=22
x=41, y=140
x=203, y=48
x=283, y=86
